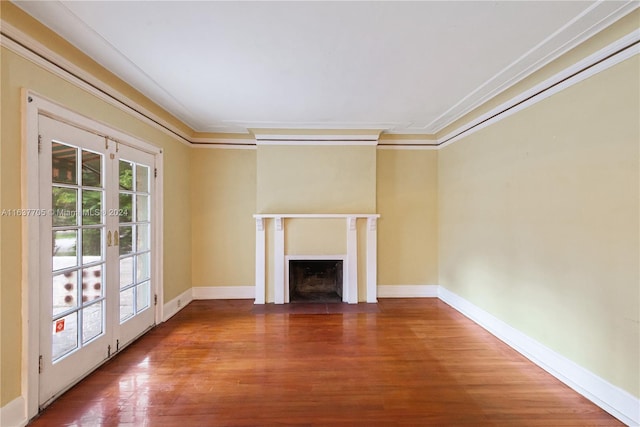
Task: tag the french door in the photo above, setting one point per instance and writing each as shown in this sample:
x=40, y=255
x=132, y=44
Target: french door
x=96, y=255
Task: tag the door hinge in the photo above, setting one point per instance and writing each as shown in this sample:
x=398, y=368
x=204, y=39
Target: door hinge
x=39, y=143
x=155, y=172
x=155, y=299
x=109, y=351
x=117, y=345
x=40, y=364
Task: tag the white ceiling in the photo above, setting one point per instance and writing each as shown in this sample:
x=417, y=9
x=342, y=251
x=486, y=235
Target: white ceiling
x=405, y=67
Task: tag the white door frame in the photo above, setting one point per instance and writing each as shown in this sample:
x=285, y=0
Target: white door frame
x=33, y=105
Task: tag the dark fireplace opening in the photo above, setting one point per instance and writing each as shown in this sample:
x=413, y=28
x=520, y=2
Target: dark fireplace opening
x=315, y=281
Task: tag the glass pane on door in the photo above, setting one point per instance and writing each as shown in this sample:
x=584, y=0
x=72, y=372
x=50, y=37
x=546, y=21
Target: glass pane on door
x=91, y=169
x=65, y=292
x=91, y=245
x=143, y=296
x=91, y=207
x=65, y=244
x=92, y=321
x=65, y=201
x=126, y=304
x=65, y=335
x=64, y=159
x=78, y=260
x=135, y=238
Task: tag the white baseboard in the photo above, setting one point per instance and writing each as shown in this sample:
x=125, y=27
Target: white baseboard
x=407, y=291
x=13, y=413
x=607, y=396
x=178, y=303
x=224, y=292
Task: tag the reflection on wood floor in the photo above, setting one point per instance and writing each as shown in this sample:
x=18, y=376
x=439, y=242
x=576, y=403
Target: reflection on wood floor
x=404, y=362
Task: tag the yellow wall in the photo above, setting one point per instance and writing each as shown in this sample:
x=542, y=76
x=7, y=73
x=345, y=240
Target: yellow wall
x=3, y=320
x=17, y=73
x=407, y=229
x=223, y=201
x=316, y=179
x=539, y=222
x=10, y=247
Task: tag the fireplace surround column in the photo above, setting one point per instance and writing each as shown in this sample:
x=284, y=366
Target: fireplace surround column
x=260, y=262
x=352, y=260
x=278, y=246
x=372, y=259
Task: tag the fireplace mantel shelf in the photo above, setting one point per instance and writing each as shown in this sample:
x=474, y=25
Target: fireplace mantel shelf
x=285, y=215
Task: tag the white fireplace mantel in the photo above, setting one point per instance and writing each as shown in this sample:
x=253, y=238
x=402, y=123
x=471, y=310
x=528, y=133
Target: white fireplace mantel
x=279, y=267
x=316, y=215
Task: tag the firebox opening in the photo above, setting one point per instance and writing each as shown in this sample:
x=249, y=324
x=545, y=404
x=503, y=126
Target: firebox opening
x=315, y=281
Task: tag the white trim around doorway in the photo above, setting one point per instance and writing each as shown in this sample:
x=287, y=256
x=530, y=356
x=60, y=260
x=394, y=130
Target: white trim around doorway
x=34, y=104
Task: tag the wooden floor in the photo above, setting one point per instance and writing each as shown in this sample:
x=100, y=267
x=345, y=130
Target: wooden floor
x=402, y=362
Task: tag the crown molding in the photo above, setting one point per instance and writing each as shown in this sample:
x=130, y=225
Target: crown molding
x=595, y=63
x=29, y=48
x=408, y=147
x=316, y=134
x=223, y=146
x=408, y=141
x=223, y=140
x=584, y=26
x=310, y=142
x=303, y=128
x=25, y=46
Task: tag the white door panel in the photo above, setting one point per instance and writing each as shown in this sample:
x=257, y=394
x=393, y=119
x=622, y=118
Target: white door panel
x=135, y=193
x=96, y=284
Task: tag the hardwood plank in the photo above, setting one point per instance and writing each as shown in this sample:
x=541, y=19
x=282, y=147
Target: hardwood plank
x=404, y=362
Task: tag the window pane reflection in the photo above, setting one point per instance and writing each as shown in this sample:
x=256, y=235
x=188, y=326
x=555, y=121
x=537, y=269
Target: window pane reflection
x=91, y=169
x=65, y=291
x=64, y=204
x=65, y=243
x=64, y=335
x=64, y=163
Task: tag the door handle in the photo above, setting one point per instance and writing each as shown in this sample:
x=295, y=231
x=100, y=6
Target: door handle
x=109, y=238
x=116, y=238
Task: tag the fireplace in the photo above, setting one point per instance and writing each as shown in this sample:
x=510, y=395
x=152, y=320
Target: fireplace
x=315, y=281
x=273, y=258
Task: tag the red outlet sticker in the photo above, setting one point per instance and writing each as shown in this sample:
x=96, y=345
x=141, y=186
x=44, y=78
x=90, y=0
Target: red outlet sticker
x=59, y=325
